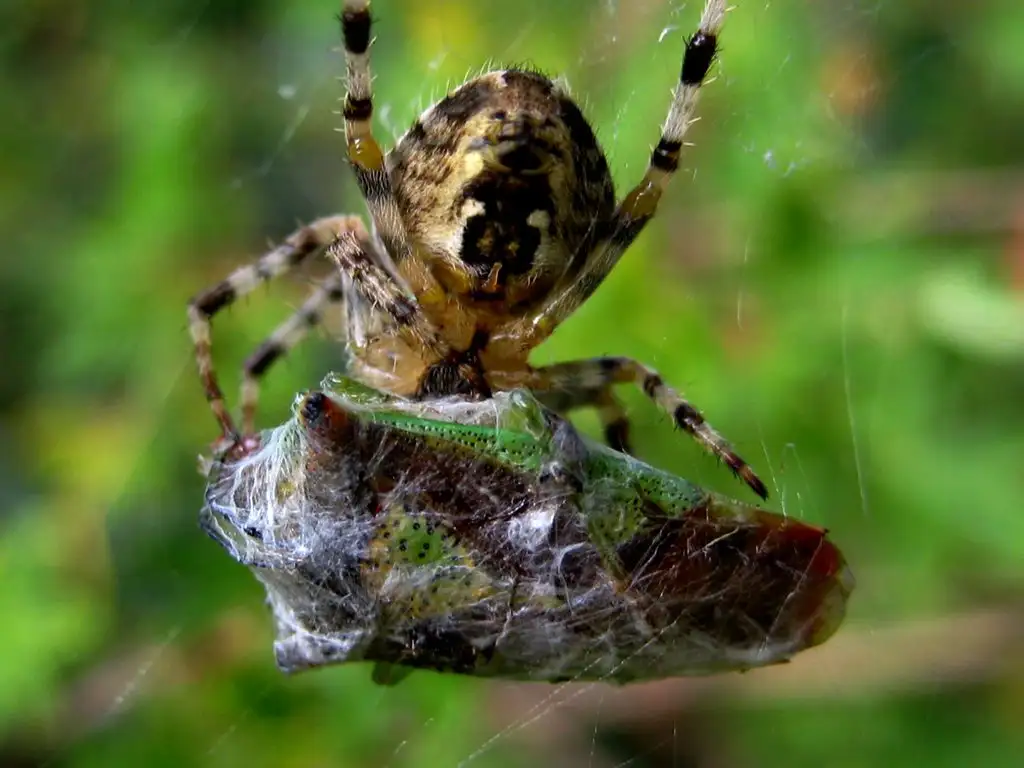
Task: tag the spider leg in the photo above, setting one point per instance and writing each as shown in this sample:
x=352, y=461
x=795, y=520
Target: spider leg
x=370, y=280
x=292, y=252
x=640, y=204
x=364, y=152
x=610, y=411
x=283, y=339
x=601, y=373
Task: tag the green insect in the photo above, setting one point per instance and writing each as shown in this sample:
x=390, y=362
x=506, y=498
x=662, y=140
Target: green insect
x=490, y=539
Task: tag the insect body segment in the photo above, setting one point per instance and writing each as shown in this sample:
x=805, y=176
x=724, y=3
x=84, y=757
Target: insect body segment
x=493, y=219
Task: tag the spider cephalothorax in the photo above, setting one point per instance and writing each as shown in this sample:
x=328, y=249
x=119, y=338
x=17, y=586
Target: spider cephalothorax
x=493, y=219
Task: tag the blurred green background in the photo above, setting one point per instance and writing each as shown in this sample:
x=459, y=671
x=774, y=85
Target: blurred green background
x=842, y=263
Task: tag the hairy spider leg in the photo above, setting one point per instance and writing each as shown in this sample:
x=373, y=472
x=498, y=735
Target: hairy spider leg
x=610, y=411
x=296, y=248
x=282, y=340
x=640, y=204
x=368, y=163
x=584, y=382
x=370, y=280
x=364, y=152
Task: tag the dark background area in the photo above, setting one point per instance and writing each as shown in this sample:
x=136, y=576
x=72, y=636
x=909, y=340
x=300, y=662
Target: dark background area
x=836, y=279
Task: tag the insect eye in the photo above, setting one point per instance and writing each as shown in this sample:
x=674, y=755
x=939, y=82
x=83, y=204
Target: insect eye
x=499, y=114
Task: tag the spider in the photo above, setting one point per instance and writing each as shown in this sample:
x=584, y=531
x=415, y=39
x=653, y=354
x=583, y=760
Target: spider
x=493, y=219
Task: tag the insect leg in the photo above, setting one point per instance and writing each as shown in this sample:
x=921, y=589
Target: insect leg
x=293, y=251
x=604, y=372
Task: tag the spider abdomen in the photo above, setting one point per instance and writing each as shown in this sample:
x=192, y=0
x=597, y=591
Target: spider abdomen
x=499, y=186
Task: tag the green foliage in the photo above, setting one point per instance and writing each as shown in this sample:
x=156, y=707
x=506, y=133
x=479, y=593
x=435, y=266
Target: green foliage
x=834, y=280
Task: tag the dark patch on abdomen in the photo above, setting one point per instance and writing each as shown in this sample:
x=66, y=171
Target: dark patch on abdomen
x=501, y=234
